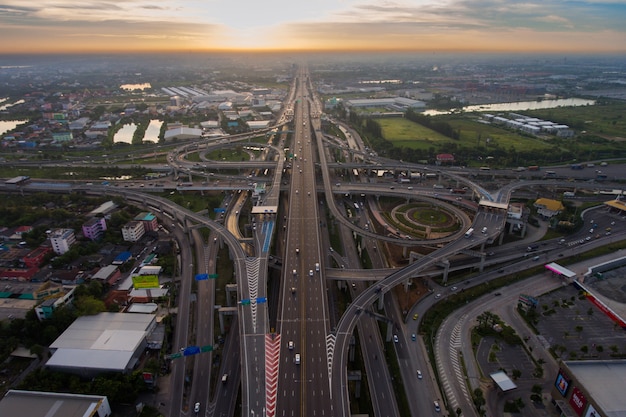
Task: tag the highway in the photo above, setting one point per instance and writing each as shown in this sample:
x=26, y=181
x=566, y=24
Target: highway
x=300, y=368
x=303, y=383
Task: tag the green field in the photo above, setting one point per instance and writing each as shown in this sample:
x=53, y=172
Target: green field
x=405, y=133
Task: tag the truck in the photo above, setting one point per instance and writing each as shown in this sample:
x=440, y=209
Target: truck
x=469, y=232
x=533, y=168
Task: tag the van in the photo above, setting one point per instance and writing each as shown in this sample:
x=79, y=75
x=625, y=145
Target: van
x=224, y=378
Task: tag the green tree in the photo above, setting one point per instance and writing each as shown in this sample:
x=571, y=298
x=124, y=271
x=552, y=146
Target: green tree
x=89, y=306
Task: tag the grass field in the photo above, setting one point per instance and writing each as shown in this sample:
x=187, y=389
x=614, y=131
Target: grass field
x=405, y=133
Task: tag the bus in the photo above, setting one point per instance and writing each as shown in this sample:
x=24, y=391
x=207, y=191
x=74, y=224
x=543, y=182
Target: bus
x=469, y=232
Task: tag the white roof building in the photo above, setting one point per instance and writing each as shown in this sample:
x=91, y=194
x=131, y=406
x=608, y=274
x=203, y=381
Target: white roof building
x=182, y=133
x=106, y=342
x=53, y=404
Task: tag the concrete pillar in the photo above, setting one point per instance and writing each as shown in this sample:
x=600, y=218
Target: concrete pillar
x=446, y=269
x=381, y=302
x=351, y=349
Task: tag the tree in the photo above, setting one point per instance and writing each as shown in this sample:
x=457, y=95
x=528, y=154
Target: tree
x=516, y=373
x=89, y=306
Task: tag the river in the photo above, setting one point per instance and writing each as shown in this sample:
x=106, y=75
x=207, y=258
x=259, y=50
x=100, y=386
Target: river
x=518, y=106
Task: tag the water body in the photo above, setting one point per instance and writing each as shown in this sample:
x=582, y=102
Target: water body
x=131, y=87
x=153, y=130
x=8, y=125
x=519, y=106
x=125, y=134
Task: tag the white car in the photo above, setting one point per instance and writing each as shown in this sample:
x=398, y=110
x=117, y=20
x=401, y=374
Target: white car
x=419, y=374
x=297, y=359
x=290, y=345
x=310, y=272
x=395, y=338
x=437, y=407
x=196, y=408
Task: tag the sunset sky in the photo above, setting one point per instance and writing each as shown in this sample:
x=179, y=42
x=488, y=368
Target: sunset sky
x=421, y=25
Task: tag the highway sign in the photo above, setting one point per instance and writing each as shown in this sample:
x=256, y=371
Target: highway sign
x=212, y=276
x=245, y=302
x=191, y=350
x=261, y=300
x=202, y=277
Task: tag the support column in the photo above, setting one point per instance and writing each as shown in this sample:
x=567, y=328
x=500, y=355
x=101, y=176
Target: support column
x=446, y=269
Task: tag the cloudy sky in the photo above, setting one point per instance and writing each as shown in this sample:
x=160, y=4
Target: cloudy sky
x=421, y=25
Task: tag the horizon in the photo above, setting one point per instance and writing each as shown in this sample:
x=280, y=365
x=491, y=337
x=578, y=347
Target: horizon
x=278, y=26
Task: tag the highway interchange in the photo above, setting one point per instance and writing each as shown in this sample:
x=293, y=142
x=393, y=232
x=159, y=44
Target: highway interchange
x=299, y=368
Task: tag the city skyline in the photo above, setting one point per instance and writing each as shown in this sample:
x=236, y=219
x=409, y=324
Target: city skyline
x=69, y=26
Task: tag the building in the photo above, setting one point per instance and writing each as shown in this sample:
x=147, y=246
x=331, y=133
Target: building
x=109, y=274
x=44, y=310
x=590, y=389
x=149, y=220
x=94, y=228
x=62, y=240
x=393, y=102
x=105, y=342
x=49, y=404
x=444, y=158
x=104, y=209
x=133, y=231
x=548, y=208
x=36, y=257
x=182, y=133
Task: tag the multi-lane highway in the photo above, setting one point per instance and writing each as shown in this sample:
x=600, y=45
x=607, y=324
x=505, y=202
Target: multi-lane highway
x=300, y=367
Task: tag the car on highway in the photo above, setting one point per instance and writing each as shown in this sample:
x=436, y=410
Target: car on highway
x=196, y=408
x=413, y=337
x=296, y=360
x=415, y=316
x=419, y=374
x=438, y=296
x=293, y=290
x=290, y=345
x=295, y=272
x=395, y=338
x=437, y=407
x=453, y=289
x=297, y=251
x=354, y=285
x=310, y=272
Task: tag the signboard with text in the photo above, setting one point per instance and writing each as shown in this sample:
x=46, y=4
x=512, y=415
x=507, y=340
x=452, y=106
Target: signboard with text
x=145, y=281
x=578, y=401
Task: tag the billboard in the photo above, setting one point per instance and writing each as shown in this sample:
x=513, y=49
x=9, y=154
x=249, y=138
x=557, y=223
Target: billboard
x=591, y=412
x=562, y=382
x=578, y=401
x=145, y=281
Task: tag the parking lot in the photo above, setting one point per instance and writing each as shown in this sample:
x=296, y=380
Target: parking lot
x=579, y=330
